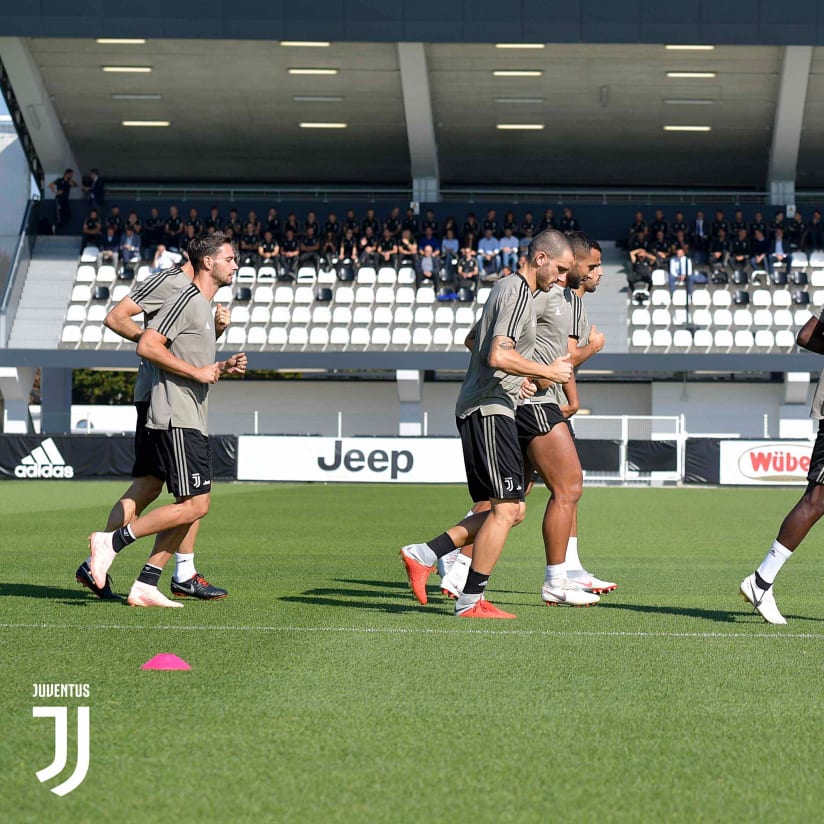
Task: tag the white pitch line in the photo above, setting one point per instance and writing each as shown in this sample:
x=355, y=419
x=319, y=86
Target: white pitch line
x=801, y=636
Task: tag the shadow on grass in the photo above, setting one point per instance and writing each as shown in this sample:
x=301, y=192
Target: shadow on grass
x=318, y=598
x=729, y=616
x=72, y=597
x=378, y=584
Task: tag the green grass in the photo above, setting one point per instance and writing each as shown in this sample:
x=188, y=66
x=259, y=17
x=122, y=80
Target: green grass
x=321, y=691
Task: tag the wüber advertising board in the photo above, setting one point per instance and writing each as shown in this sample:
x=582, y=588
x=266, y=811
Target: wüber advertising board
x=765, y=463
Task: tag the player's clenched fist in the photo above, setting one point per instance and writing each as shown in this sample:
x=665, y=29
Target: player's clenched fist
x=561, y=369
x=208, y=374
x=597, y=339
x=222, y=319
x=236, y=365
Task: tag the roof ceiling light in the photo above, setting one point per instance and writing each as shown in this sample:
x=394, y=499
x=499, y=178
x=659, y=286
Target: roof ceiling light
x=520, y=127
x=690, y=75
x=313, y=71
x=135, y=96
x=517, y=73
x=687, y=128
x=689, y=101
x=157, y=124
x=127, y=69
x=306, y=44
x=519, y=100
x=318, y=98
x=688, y=47
x=121, y=41
x=310, y=125
x=520, y=45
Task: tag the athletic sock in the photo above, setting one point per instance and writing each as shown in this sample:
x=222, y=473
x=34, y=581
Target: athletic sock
x=572, y=559
x=88, y=560
x=184, y=566
x=475, y=582
x=150, y=575
x=771, y=565
x=122, y=537
x=555, y=572
x=442, y=545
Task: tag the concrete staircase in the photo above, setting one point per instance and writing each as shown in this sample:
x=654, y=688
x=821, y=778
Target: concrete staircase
x=607, y=308
x=47, y=290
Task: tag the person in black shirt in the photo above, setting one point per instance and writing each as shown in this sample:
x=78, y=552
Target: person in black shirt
x=109, y=247
x=737, y=224
x=758, y=225
x=815, y=233
x=740, y=250
x=429, y=222
x=661, y=249
x=195, y=222
x=214, y=223
x=290, y=251
x=312, y=223
x=660, y=224
x=292, y=223
x=95, y=190
x=152, y=232
x=796, y=232
x=393, y=222
x=491, y=223
x=348, y=246
x=351, y=222
x=333, y=225
x=407, y=249
x=569, y=224
x=680, y=225
x=91, y=230
x=719, y=224
x=528, y=224
x=115, y=221
x=467, y=271
x=249, y=242
x=760, y=251
x=547, y=221
x=449, y=223
x=637, y=225
x=777, y=223
x=269, y=250
x=62, y=188
x=368, y=248
x=510, y=222
x=133, y=223
x=471, y=226
x=387, y=249
x=173, y=230
x=719, y=250
x=273, y=224
x=370, y=221
x=234, y=223
x=639, y=249
x=188, y=236
x=411, y=222
x=309, y=248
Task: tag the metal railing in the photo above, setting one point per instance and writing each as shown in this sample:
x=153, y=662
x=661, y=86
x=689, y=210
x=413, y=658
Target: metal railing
x=252, y=191
x=14, y=284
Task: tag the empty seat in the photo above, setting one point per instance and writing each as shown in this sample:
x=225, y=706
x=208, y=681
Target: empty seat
x=266, y=274
x=761, y=297
x=106, y=274
x=764, y=339
x=763, y=317
x=782, y=298
x=460, y=335
x=321, y=315
x=281, y=315
x=365, y=295
x=679, y=298
x=284, y=294
x=96, y=314
x=385, y=295
x=339, y=336
x=76, y=313
x=362, y=315
x=641, y=317
x=256, y=336
x=701, y=298
x=441, y=336
x=818, y=297
x=424, y=316
x=298, y=336
x=260, y=314
x=406, y=276
x=403, y=316
x=366, y=276
x=240, y=315
x=85, y=274
x=382, y=316
x=662, y=338
x=342, y=315
x=802, y=316
x=263, y=294
x=381, y=336
x=721, y=299
x=465, y=316
x=405, y=296
x=92, y=334
x=800, y=260
x=426, y=294
x=301, y=315
x=387, y=275
x=742, y=319
x=722, y=318
x=660, y=277
x=246, y=274
x=641, y=338
x=421, y=337
x=121, y=291
x=444, y=315
x=400, y=337
x=318, y=336
x=304, y=295
x=743, y=339
x=143, y=272
x=661, y=317
x=306, y=274
x=344, y=295
x=327, y=277
x=702, y=339
x=784, y=339
x=223, y=295
x=782, y=318
x=71, y=334
x=660, y=297
x=702, y=318
x=682, y=339
x=816, y=258
x=723, y=339
x=277, y=336
x=81, y=293
x=89, y=254
x=359, y=336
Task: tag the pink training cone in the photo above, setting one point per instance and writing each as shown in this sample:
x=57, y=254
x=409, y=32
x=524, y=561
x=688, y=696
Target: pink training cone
x=166, y=661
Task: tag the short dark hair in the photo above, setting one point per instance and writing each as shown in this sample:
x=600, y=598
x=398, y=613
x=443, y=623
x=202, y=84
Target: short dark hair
x=204, y=247
x=551, y=242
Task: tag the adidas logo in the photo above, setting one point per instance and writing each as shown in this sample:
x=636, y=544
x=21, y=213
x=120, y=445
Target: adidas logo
x=44, y=462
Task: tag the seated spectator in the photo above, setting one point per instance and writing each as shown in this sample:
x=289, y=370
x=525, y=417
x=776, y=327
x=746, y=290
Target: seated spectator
x=152, y=232
x=195, y=222
x=387, y=249
x=351, y=222
x=450, y=252
x=796, y=232
x=569, y=223
x=162, y=259
x=642, y=261
x=173, y=230
x=427, y=266
x=740, y=250
x=430, y=222
x=638, y=225
x=109, y=247
x=269, y=250
x=659, y=224
x=758, y=225
x=407, y=249
x=393, y=222
x=699, y=238
x=429, y=239
x=510, y=222
x=449, y=223
x=467, y=271
x=309, y=248
x=292, y=223
x=661, y=249
x=115, y=220
x=312, y=223
x=469, y=246
x=91, y=229
x=815, y=233
x=371, y=222
x=509, y=249
x=719, y=250
x=737, y=224
x=130, y=248
x=679, y=241
x=273, y=224
x=368, y=248
x=720, y=224
x=411, y=222
x=680, y=225
x=233, y=223
x=528, y=224
x=133, y=221
x=471, y=226
x=329, y=250
x=760, y=252
x=249, y=242
x=348, y=251
x=780, y=254
x=680, y=270
x=489, y=253
x=523, y=243
x=777, y=223
x=547, y=221
x=214, y=223
x=332, y=225
x=290, y=251
x=491, y=223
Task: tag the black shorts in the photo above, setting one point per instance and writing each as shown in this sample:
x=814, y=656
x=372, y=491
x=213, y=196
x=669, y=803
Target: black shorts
x=143, y=466
x=816, y=473
x=492, y=457
x=182, y=457
x=534, y=419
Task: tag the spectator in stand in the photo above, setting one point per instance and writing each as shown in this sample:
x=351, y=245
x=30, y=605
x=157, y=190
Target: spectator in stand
x=509, y=248
x=162, y=259
x=173, y=231
x=547, y=221
x=411, y=222
x=815, y=233
x=796, y=232
x=680, y=225
x=273, y=224
x=195, y=222
x=91, y=230
x=94, y=190
x=214, y=223
x=510, y=222
x=249, y=242
x=133, y=222
x=719, y=250
x=469, y=246
x=661, y=249
x=638, y=225
x=348, y=251
x=740, y=250
x=290, y=251
x=528, y=224
x=523, y=244
x=235, y=225
x=777, y=223
x=642, y=260
x=780, y=253
x=309, y=248
x=368, y=248
x=292, y=223
x=760, y=254
x=351, y=222
x=758, y=225
x=491, y=223
x=61, y=189
x=471, y=226
x=371, y=222
x=231, y=238
x=737, y=224
x=720, y=224
x=189, y=235
x=679, y=241
x=387, y=249
x=393, y=222
x=407, y=249
x=328, y=250
x=700, y=239
x=449, y=223
x=430, y=222
x=115, y=220
x=680, y=270
x=489, y=255
x=312, y=223
x=109, y=247
x=130, y=248
x=269, y=250
x=153, y=232
x=467, y=271
x=426, y=267
x=332, y=225
x=450, y=252
x=660, y=224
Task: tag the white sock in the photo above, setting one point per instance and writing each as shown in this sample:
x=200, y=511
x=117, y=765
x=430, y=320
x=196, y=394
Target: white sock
x=466, y=602
x=422, y=554
x=555, y=572
x=572, y=559
x=184, y=566
x=773, y=561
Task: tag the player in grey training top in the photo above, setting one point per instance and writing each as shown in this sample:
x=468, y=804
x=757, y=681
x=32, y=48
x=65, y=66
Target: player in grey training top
x=181, y=341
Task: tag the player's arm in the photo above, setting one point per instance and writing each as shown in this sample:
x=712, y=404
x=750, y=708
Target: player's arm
x=572, y=405
x=153, y=347
x=579, y=354
x=120, y=320
x=504, y=356
x=222, y=319
x=811, y=336
x=235, y=365
x=469, y=341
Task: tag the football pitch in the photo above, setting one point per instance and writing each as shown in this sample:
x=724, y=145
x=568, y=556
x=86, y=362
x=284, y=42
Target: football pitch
x=320, y=690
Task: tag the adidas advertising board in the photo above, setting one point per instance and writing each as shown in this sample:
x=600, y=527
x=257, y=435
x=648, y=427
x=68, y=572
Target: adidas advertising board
x=44, y=461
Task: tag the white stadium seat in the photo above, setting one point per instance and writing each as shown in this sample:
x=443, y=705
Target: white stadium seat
x=460, y=335
x=442, y=336
x=339, y=336
x=764, y=339
x=236, y=336
x=406, y=276
x=143, y=272
x=318, y=336
x=660, y=297
x=344, y=295
x=277, y=336
x=359, y=336
x=240, y=315
x=246, y=274
x=366, y=276
x=121, y=291
x=743, y=339
x=301, y=315
x=263, y=294
x=304, y=295
x=81, y=293
x=641, y=339
x=284, y=295
x=426, y=294
x=260, y=314
x=382, y=316
x=342, y=315
x=256, y=336
x=266, y=274
x=721, y=299
x=110, y=336
x=71, y=334
x=422, y=337
x=465, y=316
x=223, y=295
x=702, y=339
x=661, y=317
x=298, y=336
x=76, y=313
x=722, y=318
x=401, y=337
x=386, y=274
x=660, y=277
x=424, y=316
x=701, y=298
x=682, y=339
x=385, y=295
x=365, y=295
x=662, y=338
x=785, y=339
x=405, y=296
x=96, y=314
x=723, y=339
x=85, y=274
x=782, y=298
x=800, y=260
x=761, y=297
x=640, y=317
x=92, y=334
x=702, y=318
x=306, y=274
x=403, y=316
x=89, y=254
x=763, y=317
x=281, y=315
x=783, y=319
x=321, y=315
x=679, y=298
x=381, y=336
x=362, y=316
x=742, y=319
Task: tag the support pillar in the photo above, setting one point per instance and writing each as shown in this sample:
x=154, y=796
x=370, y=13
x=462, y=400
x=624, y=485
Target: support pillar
x=15, y=389
x=410, y=396
x=56, y=400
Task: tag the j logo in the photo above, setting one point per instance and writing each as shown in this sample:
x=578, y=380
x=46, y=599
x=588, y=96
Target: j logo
x=196, y=480
x=509, y=484
x=61, y=745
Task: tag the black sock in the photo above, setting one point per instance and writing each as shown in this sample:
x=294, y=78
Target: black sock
x=150, y=575
x=475, y=582
x=762, y=584
x=442, y=545
x=122, y=537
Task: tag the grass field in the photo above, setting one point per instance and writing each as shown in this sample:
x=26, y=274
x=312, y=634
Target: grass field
x=321, y=691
